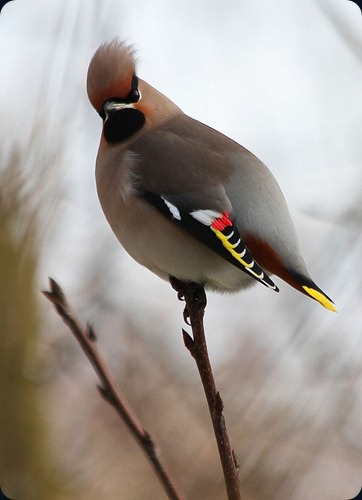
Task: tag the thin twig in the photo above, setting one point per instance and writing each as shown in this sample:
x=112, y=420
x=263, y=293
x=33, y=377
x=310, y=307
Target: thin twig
x=110, y=391
x=195, y=299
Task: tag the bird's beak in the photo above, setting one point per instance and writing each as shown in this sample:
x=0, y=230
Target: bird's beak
x=112, y=106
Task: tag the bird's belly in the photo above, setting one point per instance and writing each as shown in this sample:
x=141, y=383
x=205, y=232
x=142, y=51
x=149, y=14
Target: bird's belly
x=166, y=250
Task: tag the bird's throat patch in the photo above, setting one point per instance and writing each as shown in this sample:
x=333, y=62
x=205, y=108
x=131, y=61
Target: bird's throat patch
x=122, y=124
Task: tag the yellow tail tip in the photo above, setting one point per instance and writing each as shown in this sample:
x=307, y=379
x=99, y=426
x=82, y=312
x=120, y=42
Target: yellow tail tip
x=321, y=298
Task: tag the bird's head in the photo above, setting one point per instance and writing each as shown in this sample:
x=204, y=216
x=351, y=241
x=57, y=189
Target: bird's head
x=125, y=103
x=112, y=87
x=112, y=76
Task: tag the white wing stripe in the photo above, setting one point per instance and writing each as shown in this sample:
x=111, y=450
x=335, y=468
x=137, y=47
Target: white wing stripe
x=206, y=217
x=174, y=210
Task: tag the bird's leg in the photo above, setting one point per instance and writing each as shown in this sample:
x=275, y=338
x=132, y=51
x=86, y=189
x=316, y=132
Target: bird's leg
x=194, y=296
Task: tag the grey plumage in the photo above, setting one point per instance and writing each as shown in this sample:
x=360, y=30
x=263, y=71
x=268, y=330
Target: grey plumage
x=151, y=150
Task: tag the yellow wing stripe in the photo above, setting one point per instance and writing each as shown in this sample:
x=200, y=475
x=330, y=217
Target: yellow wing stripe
x=236, y=255
x=322, y=299
x=231, y=246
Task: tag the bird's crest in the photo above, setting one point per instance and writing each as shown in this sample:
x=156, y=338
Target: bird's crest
x=110, y=73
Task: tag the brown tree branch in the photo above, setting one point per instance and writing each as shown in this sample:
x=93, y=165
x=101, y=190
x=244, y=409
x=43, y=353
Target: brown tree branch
x=110, y=391
x=195, y=299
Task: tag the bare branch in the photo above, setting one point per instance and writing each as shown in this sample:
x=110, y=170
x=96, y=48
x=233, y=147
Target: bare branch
x=110, y=391
x=195, y=298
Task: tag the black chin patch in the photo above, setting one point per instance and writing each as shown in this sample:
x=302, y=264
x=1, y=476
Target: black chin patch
x=121, y=125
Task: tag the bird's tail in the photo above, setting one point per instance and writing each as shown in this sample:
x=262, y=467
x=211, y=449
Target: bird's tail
x=312, y=290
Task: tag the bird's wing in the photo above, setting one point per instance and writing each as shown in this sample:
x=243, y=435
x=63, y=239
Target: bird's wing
x=182, y=178
x=216, y=231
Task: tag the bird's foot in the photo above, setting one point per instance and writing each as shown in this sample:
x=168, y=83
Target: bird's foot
x=193, y=294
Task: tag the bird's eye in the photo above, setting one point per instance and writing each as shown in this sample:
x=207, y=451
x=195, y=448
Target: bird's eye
x=135, y=95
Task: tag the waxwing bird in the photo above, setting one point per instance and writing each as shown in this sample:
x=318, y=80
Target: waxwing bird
x=183, y=199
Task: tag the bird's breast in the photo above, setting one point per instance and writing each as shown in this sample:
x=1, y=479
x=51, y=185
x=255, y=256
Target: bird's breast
x=149, y=237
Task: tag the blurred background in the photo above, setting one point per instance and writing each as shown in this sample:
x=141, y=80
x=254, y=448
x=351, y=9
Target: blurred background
x=283, y=78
